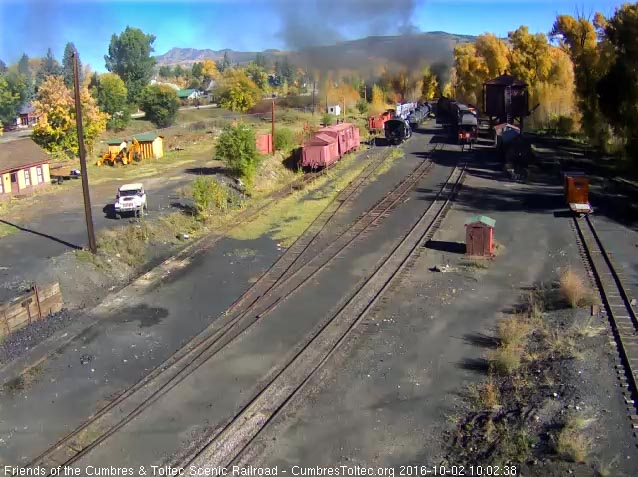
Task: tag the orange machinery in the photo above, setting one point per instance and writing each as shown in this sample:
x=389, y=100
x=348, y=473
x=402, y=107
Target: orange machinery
x=576, y=187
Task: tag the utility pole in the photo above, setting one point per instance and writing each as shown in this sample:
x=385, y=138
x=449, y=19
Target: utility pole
x=344, y=109
x=272, y=122
x=85, y=178
x=314, y=83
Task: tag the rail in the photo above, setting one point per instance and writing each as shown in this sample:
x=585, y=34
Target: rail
x=270, y=290
x=227, y=444
x=620, y=313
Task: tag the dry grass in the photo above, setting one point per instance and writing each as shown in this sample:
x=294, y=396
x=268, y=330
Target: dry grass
x=499, y=248
x=126, y=244
x=574, y=290
x=506, y=360
x=513, y=331
x=563, y=344
x=572, y=443
x=485, y=396
x=587, y=328
x=535, y=305
x=474, y=264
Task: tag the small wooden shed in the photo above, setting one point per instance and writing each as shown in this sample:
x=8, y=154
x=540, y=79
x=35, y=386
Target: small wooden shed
x=116, y=145
x=151, y=145
x=479, y=236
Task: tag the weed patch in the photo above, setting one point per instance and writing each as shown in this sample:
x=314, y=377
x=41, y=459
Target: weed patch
x=518, y=414
x=573, y=289
x=288, y=218
x=571, y=443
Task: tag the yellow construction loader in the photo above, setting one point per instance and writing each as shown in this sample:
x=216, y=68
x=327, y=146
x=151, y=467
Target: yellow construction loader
x=125, y=156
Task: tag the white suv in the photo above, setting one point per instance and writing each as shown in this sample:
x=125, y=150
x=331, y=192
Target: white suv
x=130, y=199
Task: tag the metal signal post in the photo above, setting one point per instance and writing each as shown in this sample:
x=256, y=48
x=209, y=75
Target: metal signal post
x=85, y=179
x=272, y=119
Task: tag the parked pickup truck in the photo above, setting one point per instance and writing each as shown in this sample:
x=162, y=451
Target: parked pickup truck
x=130, y=199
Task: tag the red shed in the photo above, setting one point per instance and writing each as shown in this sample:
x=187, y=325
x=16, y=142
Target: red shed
x=479, y=236
x=320, y=151
x=264, y=143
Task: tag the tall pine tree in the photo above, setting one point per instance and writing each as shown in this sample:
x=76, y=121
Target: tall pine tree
x=67, y=65
x=25, y=69
x=49, y=67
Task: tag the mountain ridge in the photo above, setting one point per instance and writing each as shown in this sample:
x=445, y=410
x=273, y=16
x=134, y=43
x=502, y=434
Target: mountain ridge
x=428, y=47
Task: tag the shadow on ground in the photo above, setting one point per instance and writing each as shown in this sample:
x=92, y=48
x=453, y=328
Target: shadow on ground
x=41, y=234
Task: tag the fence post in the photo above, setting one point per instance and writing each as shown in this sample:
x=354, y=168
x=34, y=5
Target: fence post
x=37, y=300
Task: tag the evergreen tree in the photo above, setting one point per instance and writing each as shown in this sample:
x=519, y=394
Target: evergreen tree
x=67, y=65
x=49, y=67
x=224, y=64
x=261, y=61
x=25, y=70
x=165, y=71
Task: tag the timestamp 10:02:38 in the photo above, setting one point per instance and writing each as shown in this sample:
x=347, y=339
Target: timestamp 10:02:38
x=457, y=470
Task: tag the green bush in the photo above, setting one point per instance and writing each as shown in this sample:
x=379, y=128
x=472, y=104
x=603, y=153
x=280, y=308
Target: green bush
x=208, y=194
x=363, y=106
x=160, y=104
x=284, y=139
x=237, y=147
x=327, y=119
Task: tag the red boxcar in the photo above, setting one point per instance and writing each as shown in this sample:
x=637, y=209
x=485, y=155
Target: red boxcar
x=346, y=134
x=329, y=144
x=321, y=150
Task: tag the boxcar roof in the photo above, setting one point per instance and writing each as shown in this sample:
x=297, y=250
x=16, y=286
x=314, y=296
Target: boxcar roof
x=321, y=139
x=337, y=127
x=505, y=80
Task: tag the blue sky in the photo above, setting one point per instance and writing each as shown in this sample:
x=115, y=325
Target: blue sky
x=33, y=25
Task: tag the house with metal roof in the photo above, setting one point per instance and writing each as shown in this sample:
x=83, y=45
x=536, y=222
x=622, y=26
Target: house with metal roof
x=188, y=94
x=24, y=167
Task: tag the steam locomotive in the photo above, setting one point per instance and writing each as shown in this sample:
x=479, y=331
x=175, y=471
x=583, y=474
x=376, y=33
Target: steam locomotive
x=460, y=118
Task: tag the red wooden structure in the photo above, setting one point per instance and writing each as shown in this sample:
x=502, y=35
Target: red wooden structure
x=264, y=143
x=479, y=236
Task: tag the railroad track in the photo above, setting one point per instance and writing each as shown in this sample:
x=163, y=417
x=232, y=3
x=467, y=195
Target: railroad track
x=273, y=287
x=620, y=313
x=228, y=443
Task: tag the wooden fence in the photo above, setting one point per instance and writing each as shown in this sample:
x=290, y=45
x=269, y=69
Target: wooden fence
x=34, y=305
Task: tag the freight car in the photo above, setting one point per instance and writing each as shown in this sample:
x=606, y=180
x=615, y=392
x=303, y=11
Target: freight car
x=375, y=123
x=403, y=110
x=419, y=115
x=397, y=130
x=329, y=144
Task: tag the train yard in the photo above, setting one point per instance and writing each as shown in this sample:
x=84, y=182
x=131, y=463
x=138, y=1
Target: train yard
x=349, y=347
